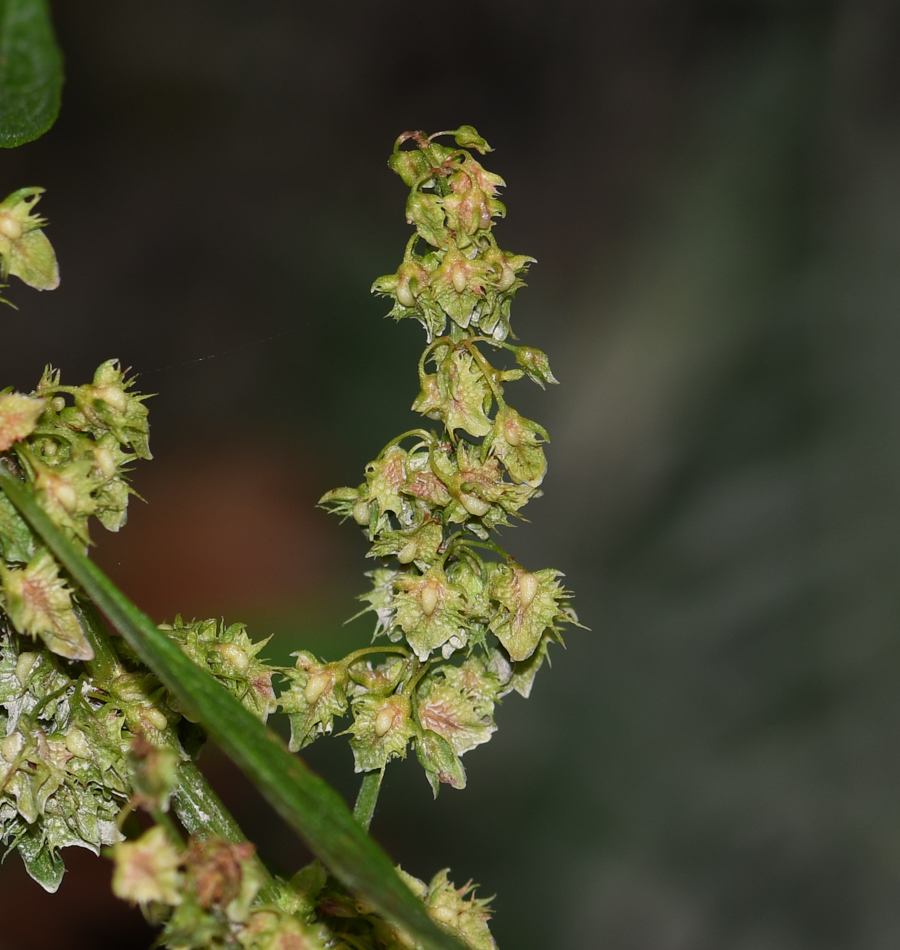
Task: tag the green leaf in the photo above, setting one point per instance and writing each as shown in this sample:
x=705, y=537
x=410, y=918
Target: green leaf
x=43, y=864
x=303, y=799
x=31, y=74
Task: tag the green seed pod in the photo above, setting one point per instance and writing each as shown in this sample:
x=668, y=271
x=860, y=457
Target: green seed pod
x=384, y=720
x=24, y=666
x=361, y=512
x=474, y=505
x=77, y=743
x=234, y=655
x=316, y=686
x=9, y=227
x=112, y=396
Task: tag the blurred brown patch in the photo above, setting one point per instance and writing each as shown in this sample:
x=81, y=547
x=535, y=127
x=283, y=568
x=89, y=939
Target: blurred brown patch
x=82, y=913
x=219, y=534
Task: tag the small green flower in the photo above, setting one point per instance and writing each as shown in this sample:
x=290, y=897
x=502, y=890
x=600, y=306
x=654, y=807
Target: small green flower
x=419, y=546
x=457, y=702
x=232, y=657
x=24, y=249
x=516, y=441
x=65, y=492
x=530, y=605
x=458, y=393
x=386, y=478
x=316, y=694
x=108, y=406
x=381, y=730
x=39, y=603
x=428, y=609
x=447, y=906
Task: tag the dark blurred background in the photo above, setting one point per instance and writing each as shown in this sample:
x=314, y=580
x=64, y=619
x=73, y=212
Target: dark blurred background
x=713, y=192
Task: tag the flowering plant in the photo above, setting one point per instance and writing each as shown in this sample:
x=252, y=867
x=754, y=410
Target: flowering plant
x=93, y=727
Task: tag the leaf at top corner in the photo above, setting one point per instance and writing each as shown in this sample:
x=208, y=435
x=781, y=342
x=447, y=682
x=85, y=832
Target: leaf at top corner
x=31, y=74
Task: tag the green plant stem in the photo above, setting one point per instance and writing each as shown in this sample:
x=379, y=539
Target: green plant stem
x=203, y=815
x=367, y=798
x=426, y=437
x=366, y=651
x=487, y=371
x=105, y=666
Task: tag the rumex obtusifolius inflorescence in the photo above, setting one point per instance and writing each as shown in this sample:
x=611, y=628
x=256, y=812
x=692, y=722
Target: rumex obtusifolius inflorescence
x=432, y=499
x=89, y=733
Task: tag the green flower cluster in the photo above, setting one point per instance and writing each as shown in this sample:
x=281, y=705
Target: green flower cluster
x=88, y=733
x=207, y=894
x=64, y=739
x=72, y=445
x=431, y=499
x=462, y=274
x=64, y=771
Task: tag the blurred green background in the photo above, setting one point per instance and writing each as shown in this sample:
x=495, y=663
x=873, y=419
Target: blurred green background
x=713, y=192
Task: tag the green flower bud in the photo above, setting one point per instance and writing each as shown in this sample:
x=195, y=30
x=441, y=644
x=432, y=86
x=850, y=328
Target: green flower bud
x=383, y=679
x=441, y=764
x=411, y=166
x=467, y=137
x=535, y=364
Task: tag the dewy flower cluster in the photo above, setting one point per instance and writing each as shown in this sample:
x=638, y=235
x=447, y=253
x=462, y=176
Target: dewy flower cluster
x=87, y=732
